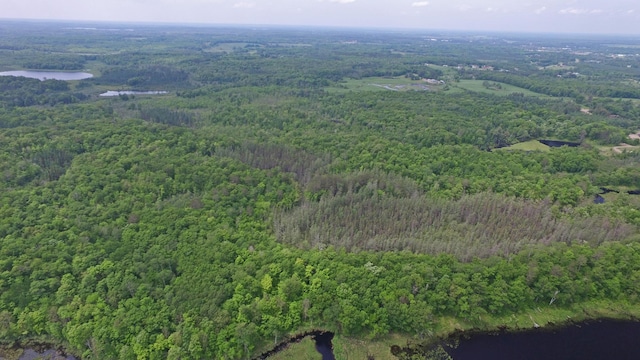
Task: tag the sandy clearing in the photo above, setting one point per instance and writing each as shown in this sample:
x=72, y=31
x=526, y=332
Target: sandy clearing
x=618, y=149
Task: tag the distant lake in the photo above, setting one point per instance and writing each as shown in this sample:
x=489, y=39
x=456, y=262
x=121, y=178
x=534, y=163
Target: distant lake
x=118, y=93
x=46, y=75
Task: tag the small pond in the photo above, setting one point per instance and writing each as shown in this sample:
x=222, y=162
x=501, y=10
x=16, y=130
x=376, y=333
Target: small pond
x=46, y=75
x=118, y=93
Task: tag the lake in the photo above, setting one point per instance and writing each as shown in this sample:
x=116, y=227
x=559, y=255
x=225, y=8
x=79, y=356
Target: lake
x=118, y=93
x=592, y=340
x=46, y=75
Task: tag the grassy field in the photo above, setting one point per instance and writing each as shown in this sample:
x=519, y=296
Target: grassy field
x=530, y=145
x=402, y=83
x=613, y=150
x=505, y=89
x=344, y=349
x=304, y=350
x=476, y=85
x=399, y=83
x=353, y=349
x=446, y=70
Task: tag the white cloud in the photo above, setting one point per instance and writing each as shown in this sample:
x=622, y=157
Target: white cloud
x=244, y=5
x=420, y=3
x=540, y=10
x=576, y=11
x=497, y=10
x=342, y=1
x=572, y=11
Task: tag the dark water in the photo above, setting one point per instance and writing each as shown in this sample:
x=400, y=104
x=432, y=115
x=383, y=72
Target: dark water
x=324, y=345
x=594, y=340
x=321, y=338
x=44, y=75
x=559, y=143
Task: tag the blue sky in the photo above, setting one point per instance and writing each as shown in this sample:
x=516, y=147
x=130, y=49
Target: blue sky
x=566, y=16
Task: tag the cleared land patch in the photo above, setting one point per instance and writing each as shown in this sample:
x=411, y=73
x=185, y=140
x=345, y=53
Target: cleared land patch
x=399, y=83
x=504, y=90
x=624, y=147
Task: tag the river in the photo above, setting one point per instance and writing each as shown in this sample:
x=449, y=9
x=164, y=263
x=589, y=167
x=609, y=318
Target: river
x=324, y=345
x=591, y=340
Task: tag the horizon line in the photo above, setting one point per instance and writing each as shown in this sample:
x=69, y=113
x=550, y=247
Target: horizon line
x=315, y=26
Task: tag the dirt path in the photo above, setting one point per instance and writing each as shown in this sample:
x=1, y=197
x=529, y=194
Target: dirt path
x=619, y=149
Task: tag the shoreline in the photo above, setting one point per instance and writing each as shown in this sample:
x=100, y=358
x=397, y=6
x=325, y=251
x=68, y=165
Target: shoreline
x=14, y=350
x=555, y=319
x=445, y=330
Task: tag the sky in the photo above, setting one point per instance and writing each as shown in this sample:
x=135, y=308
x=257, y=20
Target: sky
x=548, y=16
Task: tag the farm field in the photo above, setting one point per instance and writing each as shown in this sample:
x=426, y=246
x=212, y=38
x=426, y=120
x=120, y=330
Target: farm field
x=503, y=90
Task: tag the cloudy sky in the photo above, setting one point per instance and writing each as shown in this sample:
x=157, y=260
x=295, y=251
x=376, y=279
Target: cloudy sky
x=573, y=16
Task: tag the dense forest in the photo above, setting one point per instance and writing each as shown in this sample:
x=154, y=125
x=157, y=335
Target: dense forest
x=365, y=183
